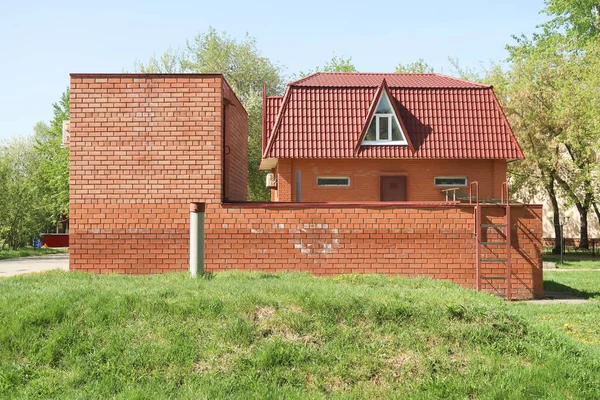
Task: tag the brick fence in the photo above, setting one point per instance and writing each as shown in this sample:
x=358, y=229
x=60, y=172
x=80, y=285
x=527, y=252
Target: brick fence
x=434, y=240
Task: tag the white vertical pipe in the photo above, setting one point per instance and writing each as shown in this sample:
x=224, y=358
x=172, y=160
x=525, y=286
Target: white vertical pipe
x=196, y=239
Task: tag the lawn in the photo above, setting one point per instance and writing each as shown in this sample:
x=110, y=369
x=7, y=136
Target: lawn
x=584, y=284
x=579, y=321
x=254, y=335
x=575, y=260
x=28, y=252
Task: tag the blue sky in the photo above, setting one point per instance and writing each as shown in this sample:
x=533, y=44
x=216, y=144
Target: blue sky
x=41, y=42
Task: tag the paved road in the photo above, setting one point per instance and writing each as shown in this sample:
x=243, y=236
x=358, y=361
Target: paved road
x=25, y=265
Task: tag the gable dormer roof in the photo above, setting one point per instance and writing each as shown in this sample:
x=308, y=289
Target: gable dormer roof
x=324, y=116
x=384, y=95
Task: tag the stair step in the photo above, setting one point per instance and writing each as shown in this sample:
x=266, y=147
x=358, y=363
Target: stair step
x=489, y=243
x=493, y=225
x=493, y=260
x=493, y=277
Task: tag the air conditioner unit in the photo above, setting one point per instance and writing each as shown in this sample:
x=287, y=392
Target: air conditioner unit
x=271, y=181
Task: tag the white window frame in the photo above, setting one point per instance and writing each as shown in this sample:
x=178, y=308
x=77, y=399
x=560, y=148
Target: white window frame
x=332, y=177
x=451, y=177
x=389, y=141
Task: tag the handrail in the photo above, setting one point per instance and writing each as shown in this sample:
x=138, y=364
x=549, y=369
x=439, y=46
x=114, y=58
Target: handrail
x=503, y=190
x=476, y=192
x=453, y=190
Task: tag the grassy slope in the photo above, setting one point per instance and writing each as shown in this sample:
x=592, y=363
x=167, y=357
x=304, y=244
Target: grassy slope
x=28, y=251
x=256, y=335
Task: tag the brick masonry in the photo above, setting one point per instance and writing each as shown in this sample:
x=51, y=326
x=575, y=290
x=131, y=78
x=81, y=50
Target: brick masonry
x=400, y=239
x=365, y=176
x=144, y=146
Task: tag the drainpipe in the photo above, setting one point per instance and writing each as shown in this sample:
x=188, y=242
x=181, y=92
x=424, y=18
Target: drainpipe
x=197, y=239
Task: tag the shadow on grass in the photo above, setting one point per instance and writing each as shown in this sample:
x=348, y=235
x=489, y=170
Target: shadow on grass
x=551, y=286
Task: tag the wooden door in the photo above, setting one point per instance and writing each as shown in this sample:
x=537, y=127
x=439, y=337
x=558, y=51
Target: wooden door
x=393, y=188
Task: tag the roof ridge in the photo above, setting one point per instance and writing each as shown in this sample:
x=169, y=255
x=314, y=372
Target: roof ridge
x=303, y=79
x=480, y=87
x=463, y=80
x=352, y=76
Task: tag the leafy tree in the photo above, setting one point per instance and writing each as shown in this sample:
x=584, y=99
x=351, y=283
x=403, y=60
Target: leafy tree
x=170, y=62
x=561, y=72
x=525, y=96
x=580, y=19
x=336, y=64
x=21, y=209
x=34, y=176
x=52, y=172
x=419, y=66
x=245, y=69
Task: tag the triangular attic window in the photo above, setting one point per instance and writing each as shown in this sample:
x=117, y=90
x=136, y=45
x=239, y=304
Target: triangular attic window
x=384, y=127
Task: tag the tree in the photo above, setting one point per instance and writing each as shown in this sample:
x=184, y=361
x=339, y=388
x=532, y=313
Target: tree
x=336, y=64
x=580, y=19
x=419, y=66
x=21, y=209
x=524, y=94
x=170, y=62
x=245, y=69
x=561, y=72
x=52, y=171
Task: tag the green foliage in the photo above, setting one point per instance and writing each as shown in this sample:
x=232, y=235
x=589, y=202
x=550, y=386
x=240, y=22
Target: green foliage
x=52, y=171
x=419, y=66
x=580, y=19
x=254, y=335
x=245, y=69
x=336, y=64
x=34, y=175
x=552, y=88
x=21, y=209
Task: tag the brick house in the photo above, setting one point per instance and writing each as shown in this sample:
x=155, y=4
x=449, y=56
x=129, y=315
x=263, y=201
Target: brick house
x=144, y=146
x=384, y=137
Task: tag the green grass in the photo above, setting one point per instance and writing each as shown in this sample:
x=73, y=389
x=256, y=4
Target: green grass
x=578, y=321
x=585, y=284
x=253, y=335
x=575, y=260
x=28, y=252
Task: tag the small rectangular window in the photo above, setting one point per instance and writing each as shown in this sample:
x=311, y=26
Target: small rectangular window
x=450, y=181
x=333, y=181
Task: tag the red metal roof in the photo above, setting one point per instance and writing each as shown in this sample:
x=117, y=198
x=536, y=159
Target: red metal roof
x=362, y=79
x=272, y=106
x=323, y=116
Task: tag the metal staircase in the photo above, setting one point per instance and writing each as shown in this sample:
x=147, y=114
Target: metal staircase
x=493, y=243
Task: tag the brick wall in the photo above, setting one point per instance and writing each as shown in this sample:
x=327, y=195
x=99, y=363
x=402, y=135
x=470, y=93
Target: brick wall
x=236, y=146
x=365, y=174
x=142, y=148
x=410, y=240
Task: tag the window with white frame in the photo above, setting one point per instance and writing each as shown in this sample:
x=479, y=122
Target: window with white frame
x=450, y=181
x=384, y=127
x=333, y=181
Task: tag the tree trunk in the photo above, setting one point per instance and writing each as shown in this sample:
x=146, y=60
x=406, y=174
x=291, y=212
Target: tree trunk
x=583, y=228
x=556, y=215
x=597, y=212
x=583, y=207
x=557, y=230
